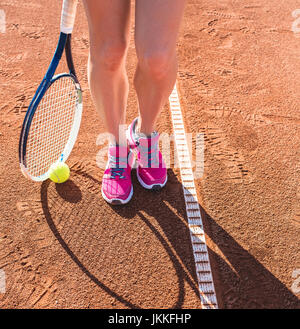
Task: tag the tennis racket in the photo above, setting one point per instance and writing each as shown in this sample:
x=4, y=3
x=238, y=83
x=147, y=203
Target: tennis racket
x=52, y=121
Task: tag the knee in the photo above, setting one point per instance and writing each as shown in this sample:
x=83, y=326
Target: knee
x=156, y=63
x=108, y=56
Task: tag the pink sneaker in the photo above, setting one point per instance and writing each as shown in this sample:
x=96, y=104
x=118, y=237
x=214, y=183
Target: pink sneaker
x=151, y=171
x=116, y=183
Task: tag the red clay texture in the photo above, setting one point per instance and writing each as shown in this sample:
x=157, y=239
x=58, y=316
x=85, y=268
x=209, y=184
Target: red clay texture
x=63, y=246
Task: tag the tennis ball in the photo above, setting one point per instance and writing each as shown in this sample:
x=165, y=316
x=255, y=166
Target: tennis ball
x=59, y=172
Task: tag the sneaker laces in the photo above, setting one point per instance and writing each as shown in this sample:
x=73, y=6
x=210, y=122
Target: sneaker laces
x=114, y=166
x=150, y=154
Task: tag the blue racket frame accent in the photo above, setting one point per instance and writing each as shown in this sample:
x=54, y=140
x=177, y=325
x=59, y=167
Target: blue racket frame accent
x=64, y=43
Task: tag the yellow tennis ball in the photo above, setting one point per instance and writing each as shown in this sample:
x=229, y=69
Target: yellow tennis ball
x=59, y=172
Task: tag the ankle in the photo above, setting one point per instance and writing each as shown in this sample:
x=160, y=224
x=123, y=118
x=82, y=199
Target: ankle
x=143, y=129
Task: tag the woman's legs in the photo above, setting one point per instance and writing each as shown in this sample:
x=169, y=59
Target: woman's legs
x=156, y=28
x=157, y=25
x=109, y=31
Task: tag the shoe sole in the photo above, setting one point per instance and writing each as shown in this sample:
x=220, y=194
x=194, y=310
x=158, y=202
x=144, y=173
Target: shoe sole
x=116, y=201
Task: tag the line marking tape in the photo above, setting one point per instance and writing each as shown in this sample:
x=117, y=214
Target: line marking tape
x=2, y=21
x=203, y=269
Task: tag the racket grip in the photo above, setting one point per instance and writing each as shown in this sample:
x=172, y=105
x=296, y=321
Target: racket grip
x=68, y=14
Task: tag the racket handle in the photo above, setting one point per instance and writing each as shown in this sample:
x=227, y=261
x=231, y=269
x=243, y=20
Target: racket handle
x=68, y=16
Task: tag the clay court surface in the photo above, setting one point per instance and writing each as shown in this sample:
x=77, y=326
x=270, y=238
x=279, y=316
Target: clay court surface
x=63, y=246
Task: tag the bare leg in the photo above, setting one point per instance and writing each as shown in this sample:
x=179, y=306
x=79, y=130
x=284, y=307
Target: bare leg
x=109, y=26
x=157, y=25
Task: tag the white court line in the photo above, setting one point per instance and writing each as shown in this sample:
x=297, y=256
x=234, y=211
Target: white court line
x=2, y=282
x=204, y=274
x=2, y=21
x=296, y=23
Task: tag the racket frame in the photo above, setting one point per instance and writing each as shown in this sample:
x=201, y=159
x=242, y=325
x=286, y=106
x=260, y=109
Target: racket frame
x=64, y=44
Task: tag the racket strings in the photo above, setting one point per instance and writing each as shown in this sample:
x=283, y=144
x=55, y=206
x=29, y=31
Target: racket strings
x=51, y=126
